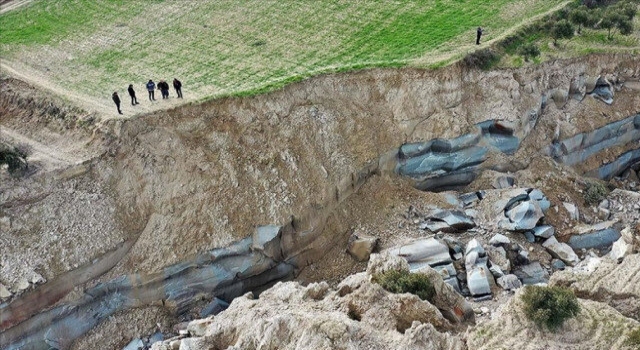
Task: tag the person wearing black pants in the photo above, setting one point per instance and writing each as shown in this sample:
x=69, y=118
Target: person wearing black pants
x=478, y=35
x=116, y=99
x=132, y=93
x=178, y=86
x=151, y=86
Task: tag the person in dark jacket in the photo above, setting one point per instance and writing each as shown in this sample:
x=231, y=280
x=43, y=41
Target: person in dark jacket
x=151, y=86
x=116, y=99
x=132, y=93
x=178, y=86
x=478, y=35
x=163, y=86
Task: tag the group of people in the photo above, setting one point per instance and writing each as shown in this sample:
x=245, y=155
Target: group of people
x=163, y=86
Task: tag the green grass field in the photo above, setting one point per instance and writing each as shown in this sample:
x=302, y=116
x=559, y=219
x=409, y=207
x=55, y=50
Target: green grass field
x=230, y=47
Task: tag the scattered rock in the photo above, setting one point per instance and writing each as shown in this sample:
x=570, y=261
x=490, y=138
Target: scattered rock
x=530, y=237
x=361, y=246
x=561, y=251
x=215, y=307
x=532, y=273
x=524, y=216
x=22, y=284
x=499, y=239
x=136, y=344
x=558, y=264
x=448, y=221
x=544, y=231
x=4, y=292
x=504, y=182
x=199, y=327
x=601, y=239
x=498, y=257
x=422, y=252
x=619, y=249
x=509, y=282
x=571, y=208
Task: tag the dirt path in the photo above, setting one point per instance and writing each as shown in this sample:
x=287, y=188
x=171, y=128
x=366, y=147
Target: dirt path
x=46, y=156
x=7, y=6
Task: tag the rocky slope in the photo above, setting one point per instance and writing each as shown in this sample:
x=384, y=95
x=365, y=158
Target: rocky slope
x=174, y=184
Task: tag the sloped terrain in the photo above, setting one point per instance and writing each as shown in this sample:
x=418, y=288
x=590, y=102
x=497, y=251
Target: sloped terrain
x=318, y=157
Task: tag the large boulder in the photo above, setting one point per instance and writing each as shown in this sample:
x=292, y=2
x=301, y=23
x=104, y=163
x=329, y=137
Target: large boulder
x=361, y=245
x=423, y=252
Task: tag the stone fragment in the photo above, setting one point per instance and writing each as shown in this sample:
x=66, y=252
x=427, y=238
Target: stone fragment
x=136, y=344
x=509, y=282
x=361, y=246
x=155, y=337
x=498, y=257
x=544, y=231
x=474, y=245
x=423, y=251
x=530, y=237
x=499, y=239
x=619, y=249
x=199, y=327
x=22, y=284
x=558, y=264
x=532, y=273
x=574, y=214
x=561, y=251
x=478, y=280
x=496, y=271
x=447, y=297
x=4, y=292
x=504, y=182
x=448, y=221
x=215, y=307
x=524, y=216
x=601, y=239
x=267, y=239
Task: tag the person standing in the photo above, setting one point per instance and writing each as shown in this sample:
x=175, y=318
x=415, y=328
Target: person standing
x=478, y=35
x=132, y=93
x=116, y=99
x=163, y=86
x=151, y=86
x=178, y=86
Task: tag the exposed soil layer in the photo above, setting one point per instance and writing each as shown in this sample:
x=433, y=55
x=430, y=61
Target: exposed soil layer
x=197, y=177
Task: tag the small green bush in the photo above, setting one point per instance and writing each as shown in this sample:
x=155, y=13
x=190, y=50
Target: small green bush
x=634, y=339
x=549, y=306
x=406, y=282
x=529, y=50
x=595, y=192
x=15, y=158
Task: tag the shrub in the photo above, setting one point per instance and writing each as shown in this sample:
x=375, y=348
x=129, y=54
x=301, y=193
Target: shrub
x=561, y=30
x=396, y=281
x=481, y=59
x=15, y=158
x=580, y=17
x=549, y=306
x=529, y=50
x=595, y=192
x=634, y=339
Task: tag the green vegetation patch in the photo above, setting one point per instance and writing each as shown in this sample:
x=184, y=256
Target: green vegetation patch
x=549, y=306
x=227, y=47
x=402, y=281
x=595, y=192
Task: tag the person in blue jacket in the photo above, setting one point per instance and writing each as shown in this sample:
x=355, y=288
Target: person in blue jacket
x=151, y=86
